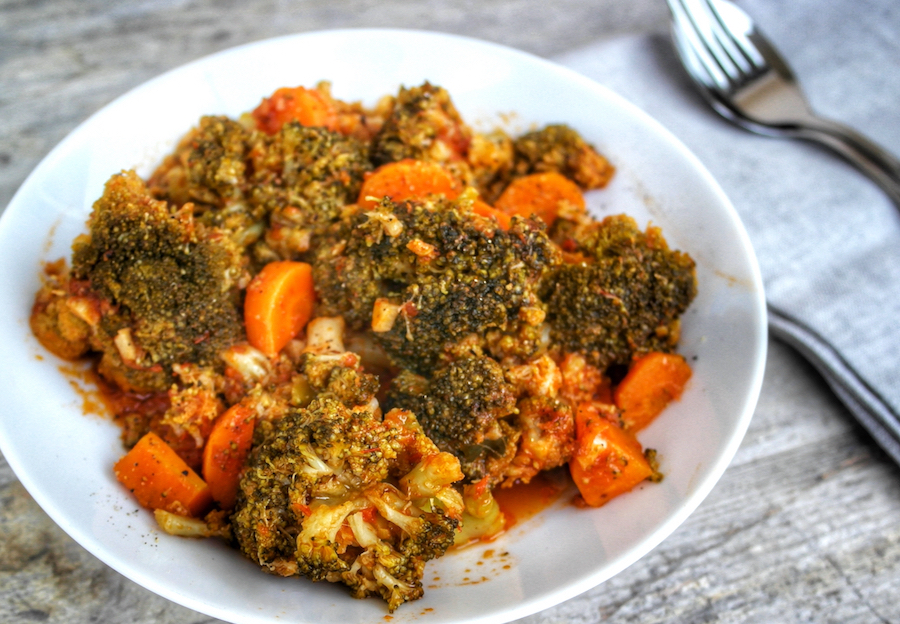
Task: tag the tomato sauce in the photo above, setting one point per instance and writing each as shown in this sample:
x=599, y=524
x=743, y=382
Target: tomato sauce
x=524, y=500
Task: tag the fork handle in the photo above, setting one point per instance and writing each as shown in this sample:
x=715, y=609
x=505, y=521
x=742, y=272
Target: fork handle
x=873, y=160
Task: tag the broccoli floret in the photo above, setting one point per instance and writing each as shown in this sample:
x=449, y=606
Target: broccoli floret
x=561, y=149
x=424, y=125
x=303, y=177
x=283, y=187
x=450, y=276
x=212, y=170
x=465, y=409
x=334, y=492
x=168, y=286
x=342, y=382
x=625, y=299
x=208, y=168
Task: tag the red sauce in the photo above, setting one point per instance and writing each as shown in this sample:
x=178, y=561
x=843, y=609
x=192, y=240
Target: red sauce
x=101, y=398
x=82, y=380
x=524, y=500
x=492, y=563
x=135, y=413
x=122, y=403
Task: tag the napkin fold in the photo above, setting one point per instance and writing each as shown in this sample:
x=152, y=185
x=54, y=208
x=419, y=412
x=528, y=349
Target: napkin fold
x=827, y=239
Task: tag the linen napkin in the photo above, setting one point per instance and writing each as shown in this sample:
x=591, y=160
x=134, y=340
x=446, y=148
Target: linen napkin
x=827, y=239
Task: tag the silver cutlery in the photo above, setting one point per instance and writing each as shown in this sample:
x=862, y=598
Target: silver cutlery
x=747, y=81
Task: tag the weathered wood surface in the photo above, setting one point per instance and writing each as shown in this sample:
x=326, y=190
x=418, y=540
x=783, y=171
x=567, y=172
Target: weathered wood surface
x=803, y=527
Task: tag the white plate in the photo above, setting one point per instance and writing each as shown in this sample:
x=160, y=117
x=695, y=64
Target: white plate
x=64, y=458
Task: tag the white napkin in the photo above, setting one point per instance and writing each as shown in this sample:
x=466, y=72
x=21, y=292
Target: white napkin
x=827, y=239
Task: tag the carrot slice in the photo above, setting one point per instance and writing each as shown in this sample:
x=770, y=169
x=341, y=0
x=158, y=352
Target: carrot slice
x=608, y=460
x=539, y=194
x=407, y=179
x=652, y=382
x=307, y=106
x=160, y=479
x=278, y=304
x=226, y=451
x=504, y=220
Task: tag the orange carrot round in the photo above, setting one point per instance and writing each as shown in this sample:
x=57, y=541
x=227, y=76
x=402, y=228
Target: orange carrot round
x=407, y=179
x=539, y=194
x=608, y=460
x=160, y=479
x=226, y=451
x=307, y=106
x=278, y=304
x=653, y=381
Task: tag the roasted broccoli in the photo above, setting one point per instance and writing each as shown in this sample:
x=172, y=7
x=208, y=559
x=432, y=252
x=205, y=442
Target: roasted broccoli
x=149, y=288
x=271, y=193
x=303, y=177
x=561, y=149
x=440, y=274
x=466, y=408
x=423, y=124
x=624, y=299
x=208, y=168
x=335, y=492
x=505, y=423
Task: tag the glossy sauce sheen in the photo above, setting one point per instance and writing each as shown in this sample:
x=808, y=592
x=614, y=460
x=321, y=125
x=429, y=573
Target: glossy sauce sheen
x=524, y=500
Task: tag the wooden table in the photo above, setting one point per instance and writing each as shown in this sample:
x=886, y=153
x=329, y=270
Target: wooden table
x=803, y=527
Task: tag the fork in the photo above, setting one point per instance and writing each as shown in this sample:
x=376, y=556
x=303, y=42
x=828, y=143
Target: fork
x=747, y=81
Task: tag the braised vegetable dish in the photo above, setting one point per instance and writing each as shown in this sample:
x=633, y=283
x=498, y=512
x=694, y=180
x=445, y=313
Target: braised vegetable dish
x=331, y=331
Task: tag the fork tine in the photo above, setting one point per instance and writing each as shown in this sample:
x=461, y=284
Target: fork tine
x=720, y=41
x=691, y=43
x=718, y=37
x=734, y=26
x=697, y=69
